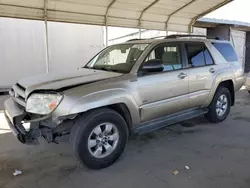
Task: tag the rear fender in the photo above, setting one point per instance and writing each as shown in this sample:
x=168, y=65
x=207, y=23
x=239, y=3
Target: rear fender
x=224, y=76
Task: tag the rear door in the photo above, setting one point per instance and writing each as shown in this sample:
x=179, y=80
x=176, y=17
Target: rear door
x=201, y=71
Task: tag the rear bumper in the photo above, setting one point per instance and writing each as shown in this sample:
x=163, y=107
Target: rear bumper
x=239, y=82
x=247, y=82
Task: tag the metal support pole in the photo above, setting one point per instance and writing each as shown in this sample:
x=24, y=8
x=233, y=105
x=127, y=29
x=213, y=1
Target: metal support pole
x=190, y=29
x=140, y=33
x=46, y=35
x=107, y=39
x=231, y=38
x=47, y=46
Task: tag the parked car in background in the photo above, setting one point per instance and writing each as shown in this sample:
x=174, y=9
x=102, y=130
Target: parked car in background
x=134, y=87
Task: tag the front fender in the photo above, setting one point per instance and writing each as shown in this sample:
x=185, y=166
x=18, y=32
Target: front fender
x=105, y=98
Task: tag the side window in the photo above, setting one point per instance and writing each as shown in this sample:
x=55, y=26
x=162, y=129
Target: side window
x=208, y=58
x=198, y=55
x=169, y=54
x=226, y=51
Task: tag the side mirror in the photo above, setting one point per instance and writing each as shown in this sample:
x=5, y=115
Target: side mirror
x=153, y=65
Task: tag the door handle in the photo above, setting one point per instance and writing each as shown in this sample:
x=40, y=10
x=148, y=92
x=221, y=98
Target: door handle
x=182, y=75
x=212, y=70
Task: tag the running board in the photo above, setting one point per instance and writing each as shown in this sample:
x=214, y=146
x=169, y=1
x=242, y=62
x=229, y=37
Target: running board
x=169, y=120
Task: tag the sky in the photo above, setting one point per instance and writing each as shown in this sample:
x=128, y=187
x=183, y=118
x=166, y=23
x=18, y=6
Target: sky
x=238, y=10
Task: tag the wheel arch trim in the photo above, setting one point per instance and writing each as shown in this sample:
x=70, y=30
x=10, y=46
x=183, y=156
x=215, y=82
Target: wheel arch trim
x=222, y=77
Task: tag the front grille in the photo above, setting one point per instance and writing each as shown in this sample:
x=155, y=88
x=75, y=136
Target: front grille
x=17, y=92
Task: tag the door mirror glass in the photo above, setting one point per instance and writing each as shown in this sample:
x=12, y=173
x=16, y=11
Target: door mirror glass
x=153, y=65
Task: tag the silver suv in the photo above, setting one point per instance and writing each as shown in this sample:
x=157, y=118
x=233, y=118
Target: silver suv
x=134, y=87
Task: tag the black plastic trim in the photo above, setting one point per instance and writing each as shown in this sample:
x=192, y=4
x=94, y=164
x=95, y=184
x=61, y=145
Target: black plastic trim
x=169, y=120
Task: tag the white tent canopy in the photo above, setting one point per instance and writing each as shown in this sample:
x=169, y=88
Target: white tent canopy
x=172, y=15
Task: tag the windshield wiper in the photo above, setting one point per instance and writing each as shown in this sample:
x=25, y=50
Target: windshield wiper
x=105, y=69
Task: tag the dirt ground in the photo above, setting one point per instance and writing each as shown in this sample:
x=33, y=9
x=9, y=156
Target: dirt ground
x=218, y=156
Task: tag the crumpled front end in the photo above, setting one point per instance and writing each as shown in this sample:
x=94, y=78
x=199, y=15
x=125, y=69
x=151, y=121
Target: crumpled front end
x=29, y=127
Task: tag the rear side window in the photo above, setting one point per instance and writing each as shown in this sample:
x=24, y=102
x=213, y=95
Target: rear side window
x=198, y=55
x=226, y=51
x=208, y=58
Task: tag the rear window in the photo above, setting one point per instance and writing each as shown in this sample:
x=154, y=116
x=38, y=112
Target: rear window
x=226, y=51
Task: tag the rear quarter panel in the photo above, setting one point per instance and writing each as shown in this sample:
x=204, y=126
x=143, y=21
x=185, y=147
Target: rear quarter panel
x=237, y=69
x=224, y=71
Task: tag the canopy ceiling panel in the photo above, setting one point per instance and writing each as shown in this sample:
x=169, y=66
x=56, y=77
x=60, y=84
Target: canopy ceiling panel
x=175, y=15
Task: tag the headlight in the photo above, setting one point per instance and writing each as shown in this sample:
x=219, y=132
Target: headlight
x=43, y=103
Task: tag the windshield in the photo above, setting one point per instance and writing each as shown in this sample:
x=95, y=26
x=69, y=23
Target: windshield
x=117, y=58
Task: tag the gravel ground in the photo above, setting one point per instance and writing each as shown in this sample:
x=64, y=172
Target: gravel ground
x=218, y=156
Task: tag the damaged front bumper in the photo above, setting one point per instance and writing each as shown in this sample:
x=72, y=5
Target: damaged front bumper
x=27, y=128
x=14, y=115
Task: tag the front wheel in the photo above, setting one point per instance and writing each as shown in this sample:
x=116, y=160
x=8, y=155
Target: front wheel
x=220, y=106
x=100, y=138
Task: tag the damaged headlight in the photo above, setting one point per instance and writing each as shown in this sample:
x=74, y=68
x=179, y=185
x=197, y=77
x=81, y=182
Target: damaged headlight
x=43, y=103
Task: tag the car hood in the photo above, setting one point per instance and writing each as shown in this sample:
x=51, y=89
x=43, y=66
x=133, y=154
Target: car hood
x=56, y=81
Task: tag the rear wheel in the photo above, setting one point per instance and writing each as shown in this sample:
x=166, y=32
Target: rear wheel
x=220, y=106
x=100, y=138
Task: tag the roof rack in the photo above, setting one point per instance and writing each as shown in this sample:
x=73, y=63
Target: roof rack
x=158, y=37
x=202, y=36
x=146, y=38
x=133, y=40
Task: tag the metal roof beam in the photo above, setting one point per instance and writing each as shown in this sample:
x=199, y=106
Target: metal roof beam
x=144, y=10
x=204, y=13
x=179, y=9
x=107, y=11
x=26, y=9
x=45, y=9
x=106, y=20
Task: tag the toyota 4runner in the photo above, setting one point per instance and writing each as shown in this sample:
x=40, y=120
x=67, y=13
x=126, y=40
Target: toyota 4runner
x=134, y=87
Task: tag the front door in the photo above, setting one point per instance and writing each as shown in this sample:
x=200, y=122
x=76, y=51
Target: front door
x=164, y=92
x=201, y=71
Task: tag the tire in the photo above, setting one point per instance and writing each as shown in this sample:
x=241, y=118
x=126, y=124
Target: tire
x=94, y=150
x=249, y=91
x=214, y=114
